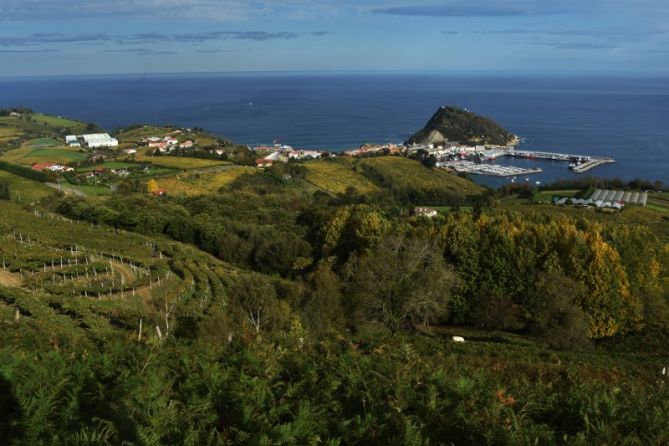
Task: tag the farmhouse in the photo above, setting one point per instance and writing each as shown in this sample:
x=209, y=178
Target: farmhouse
x=301, y=154
x=39, y=167
x=264, y=163
x=165, y=144
x=424, y=212
x=95, y=140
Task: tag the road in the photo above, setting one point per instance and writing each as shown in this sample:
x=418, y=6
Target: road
x=66, y=190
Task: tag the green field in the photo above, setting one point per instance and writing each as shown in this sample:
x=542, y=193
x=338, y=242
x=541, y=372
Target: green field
x=337, y=176
x=8, y=133
x=91, y=190
x=405, y=173
x=136, y=135
x=659, y=201
x=178, y=162
x=28, y=156
x=59, y=122
x=110, y=165
x=57, y=154
x=549, y=194
x=24, y=190
x=42, y=142
x=447, y=209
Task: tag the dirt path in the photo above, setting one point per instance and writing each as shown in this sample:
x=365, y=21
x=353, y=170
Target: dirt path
x=66, y=190
x=127, y=273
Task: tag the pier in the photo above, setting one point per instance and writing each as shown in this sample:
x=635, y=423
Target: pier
x=578, y=163
x=594, y=162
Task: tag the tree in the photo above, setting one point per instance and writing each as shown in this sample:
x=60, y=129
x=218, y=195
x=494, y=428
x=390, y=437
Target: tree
x=354, y=228
x=322, y=303
x=555, y=316
x=4, y=190
x=403, y=283
x=151, y=186
x=495, y=311
x=256, y=299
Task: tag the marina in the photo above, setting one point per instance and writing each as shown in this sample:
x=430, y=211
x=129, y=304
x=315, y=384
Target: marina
x=463, y=166
x=577, y=163
x=482, y=162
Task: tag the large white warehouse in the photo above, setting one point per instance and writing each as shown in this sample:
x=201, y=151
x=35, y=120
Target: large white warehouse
x=95, y=140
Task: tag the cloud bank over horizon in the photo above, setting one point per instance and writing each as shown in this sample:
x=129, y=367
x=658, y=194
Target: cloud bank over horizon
x=51, y=36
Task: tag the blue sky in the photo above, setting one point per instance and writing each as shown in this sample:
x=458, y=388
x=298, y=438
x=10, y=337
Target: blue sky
x=65, y=37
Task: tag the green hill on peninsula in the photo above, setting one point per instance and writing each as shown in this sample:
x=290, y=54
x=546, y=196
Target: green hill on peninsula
x=457, y=125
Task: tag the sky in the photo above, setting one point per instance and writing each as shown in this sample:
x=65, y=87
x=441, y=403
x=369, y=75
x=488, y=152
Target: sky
x=76, y=37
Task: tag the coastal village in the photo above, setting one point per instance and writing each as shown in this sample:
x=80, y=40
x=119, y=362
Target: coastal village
x=451, y=156
x=172, y=160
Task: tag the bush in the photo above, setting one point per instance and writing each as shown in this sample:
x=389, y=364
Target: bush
x=4, y=190
x=555, y=316
x=23, y=171
x=497, y=312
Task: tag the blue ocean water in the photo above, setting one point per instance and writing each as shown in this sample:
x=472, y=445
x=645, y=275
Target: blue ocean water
x=624, y=118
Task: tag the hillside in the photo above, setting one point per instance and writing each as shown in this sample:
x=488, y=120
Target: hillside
x=401, y=173
x=453, y=124
x=304, y=303
x=150, y=341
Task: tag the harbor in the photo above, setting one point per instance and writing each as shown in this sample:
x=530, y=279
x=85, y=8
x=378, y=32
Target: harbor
x=577, y=163
x=463, y=166
x=482, y=162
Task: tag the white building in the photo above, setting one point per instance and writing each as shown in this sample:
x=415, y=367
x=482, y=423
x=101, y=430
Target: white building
x=95, y=140
x=72, y=141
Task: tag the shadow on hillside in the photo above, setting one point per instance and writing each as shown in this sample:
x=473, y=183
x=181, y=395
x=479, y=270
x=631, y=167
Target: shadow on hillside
x=11, y=414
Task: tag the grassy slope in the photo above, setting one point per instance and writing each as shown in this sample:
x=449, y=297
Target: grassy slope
x=9, y=133
x=403, y=172
x=28, y=155
x=60, y=122
x=135, y=136
x=337, y=176
x=25, y=190
x=494, y=382
x=177, y=162
x=197, y=184
x=133, y=263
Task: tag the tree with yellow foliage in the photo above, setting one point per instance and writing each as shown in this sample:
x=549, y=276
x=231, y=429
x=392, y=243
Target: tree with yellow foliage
x=151, y=186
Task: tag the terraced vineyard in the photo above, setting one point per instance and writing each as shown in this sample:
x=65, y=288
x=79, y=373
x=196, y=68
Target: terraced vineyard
x=337, y=176
x=9, y=133
x=75, y=279
x=198, y=184
x=402, y=172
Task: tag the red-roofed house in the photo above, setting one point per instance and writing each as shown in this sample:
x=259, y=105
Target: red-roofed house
x=42, y=166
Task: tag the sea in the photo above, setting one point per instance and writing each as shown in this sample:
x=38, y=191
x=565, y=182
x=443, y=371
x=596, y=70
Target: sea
x=626, y=118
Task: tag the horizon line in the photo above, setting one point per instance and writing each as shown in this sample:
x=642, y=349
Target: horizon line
x=603, y=73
